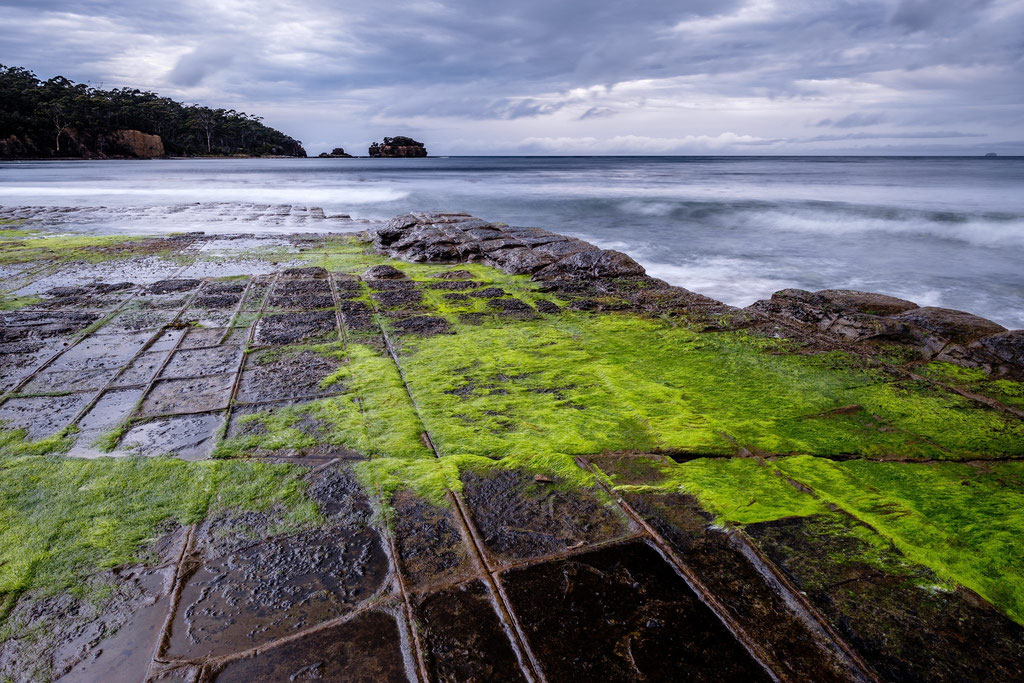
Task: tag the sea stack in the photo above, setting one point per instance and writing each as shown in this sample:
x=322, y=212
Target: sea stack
x=400, y=146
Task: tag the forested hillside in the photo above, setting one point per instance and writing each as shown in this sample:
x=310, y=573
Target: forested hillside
x=61, y=118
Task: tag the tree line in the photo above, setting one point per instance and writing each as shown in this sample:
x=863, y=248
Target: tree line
x=60, y=118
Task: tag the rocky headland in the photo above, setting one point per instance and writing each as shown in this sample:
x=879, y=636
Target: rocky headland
x=443, y=448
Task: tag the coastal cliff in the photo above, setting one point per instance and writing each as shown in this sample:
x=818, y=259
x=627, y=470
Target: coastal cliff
x=58, y=118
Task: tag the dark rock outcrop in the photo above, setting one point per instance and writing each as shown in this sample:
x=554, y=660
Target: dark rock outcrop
x=336, y=153
x=400, y=146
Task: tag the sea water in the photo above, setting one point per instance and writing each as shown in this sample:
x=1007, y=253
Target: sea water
x=939, y=231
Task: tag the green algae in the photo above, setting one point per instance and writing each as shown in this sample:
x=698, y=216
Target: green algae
x=34, y=248
x=14, y=303
x=1006, y=391
x=374, y=416
x=16, y=442
x=63, y=518
x=962, y=521
x=581, y=383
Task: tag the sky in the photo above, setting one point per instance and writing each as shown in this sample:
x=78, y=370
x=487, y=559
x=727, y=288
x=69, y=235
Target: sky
x=563, y=76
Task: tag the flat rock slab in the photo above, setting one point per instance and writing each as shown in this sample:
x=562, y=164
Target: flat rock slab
x=365, y=648
x=892, y=614
x=42, y=416
x=200, y=362
x=56, y=381
x=189, y=437
x=428, y=541
x=462, y=637
x=285, y=373
x=101, y=351
x=142, y=370
x=520, y=518
x=622, y=613
x=176, y=396
x=289, y=328
x=269, y=590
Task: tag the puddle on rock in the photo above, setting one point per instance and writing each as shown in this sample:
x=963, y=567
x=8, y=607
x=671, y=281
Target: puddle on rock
x=276, y=588
x=112, y=408
x=520, y=518
x=365, y=648
x=189, y=437
x=462, y=637
x=622, y=613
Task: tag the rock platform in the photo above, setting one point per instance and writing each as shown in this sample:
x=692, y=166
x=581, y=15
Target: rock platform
x=449, y=449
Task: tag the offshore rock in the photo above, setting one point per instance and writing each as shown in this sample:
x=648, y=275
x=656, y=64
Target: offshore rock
x=400, y=146
x=336, y=153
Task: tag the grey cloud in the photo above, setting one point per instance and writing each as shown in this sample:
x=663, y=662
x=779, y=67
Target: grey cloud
x=855, y=120
x=891, y=136
x=505, y=65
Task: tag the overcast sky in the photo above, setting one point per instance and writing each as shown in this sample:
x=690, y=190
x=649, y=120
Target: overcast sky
x=563, y=76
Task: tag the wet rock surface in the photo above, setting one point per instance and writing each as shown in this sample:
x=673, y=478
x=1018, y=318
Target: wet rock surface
x=897, y=620
x=521, y=518
x=366, y=648
x=628, y=598
x=463, y=639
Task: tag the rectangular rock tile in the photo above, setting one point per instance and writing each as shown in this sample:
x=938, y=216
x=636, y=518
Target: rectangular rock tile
x=189, y=437
x=128, y=321
x=100, y=351
x=69, y=380
x=198, y=362
x=172, y=396
x=623, y=613
x=520, y=518
x=289, y=328
x=888, y=608
x=429, y=543
x=462, y=637
x=285, y=373
x=201, y=336
x=365, y=648
x=41, y=416
x=142, y=369
x=206, y=317
x=798, y=647
x=262, y=592
x=167, y=339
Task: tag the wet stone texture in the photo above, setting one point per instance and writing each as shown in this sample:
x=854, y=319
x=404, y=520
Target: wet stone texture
x=196, y=395
x=622, y=613
x=189, y=437
x=429, y=544
x=365, y=648
x=276, y=587
x=289, y=328
x=285, y=373
x=520, y=518
x=898, y=622
x=463, y=638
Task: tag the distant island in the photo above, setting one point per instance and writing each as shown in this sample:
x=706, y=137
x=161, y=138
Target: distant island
x=59, y=118
x=400, y=146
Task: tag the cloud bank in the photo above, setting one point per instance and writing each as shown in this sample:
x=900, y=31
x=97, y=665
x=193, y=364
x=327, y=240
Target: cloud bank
x=569, y=77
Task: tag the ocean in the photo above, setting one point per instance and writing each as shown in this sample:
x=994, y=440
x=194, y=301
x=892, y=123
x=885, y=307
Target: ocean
x=938, y=231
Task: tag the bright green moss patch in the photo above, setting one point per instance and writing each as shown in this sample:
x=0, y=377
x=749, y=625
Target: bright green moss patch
x=581, y=384
x=963, y=521
x=1007, y=392
x=737, y=490
x=62, y=518
x=63, y=248
x=13, y=303
x=428, y=478
x=16, y=442
x=374, y=416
